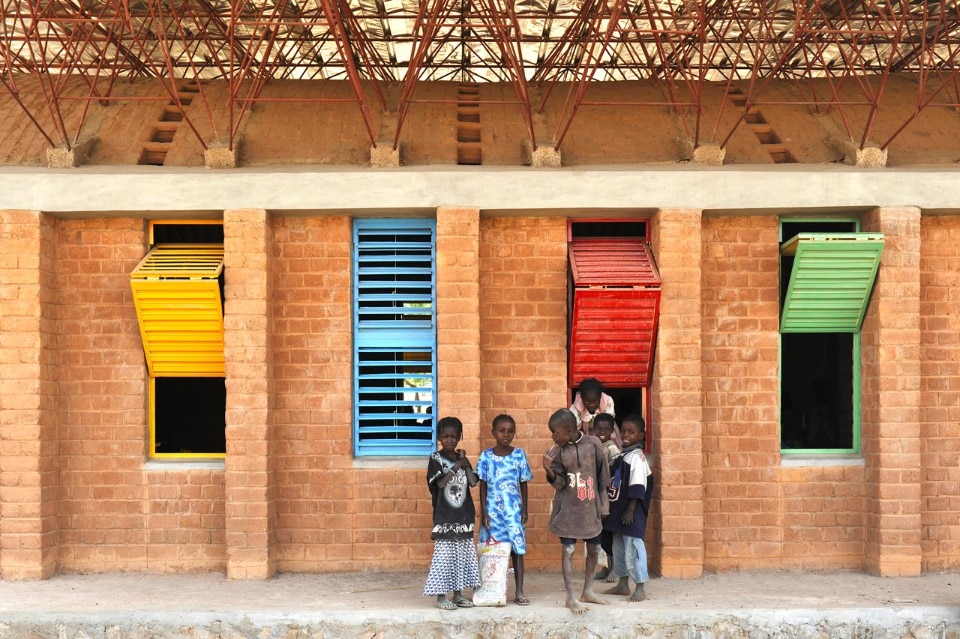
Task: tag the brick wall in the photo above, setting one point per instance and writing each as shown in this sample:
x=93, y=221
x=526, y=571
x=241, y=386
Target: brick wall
x=250, y=483
x=523, y=292
x=741, y=436
x=28, y=446
x=940, y=392
x=677, y=400
x=890, y=424
x=102, y=397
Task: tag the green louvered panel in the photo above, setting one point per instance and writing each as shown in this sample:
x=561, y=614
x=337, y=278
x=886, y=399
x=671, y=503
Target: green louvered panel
x=831, y=280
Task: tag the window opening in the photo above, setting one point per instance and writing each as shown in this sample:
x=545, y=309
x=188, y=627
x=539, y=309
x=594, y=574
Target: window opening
x=614, y=302
x=819, y=365
x=179, y=292
x=188, y=416
x=395, y=337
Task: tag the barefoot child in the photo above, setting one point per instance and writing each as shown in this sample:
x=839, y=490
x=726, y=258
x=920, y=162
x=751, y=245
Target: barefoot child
x=504, y=473
x=631, y=489
x=449, y=477
x=577, y=470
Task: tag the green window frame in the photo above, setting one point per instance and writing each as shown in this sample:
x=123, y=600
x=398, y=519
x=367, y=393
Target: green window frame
x=828, y=269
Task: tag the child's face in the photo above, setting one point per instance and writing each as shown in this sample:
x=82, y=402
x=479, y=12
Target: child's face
x=449, y=438
x=504, y=431
x=561, y=434
x=591, y=401
x=631, y=433
x=603, y=431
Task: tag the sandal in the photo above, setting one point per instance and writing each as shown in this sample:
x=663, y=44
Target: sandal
x=462, y=602
x=520, y=600
x=446, y=604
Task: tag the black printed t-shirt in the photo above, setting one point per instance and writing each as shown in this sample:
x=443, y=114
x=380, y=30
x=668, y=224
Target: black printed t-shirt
x=454, y=515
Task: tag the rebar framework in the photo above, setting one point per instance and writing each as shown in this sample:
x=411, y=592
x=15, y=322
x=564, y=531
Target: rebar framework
x=79, y=50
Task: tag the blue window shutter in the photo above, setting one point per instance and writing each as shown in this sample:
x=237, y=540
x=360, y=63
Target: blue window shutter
x=395, y=336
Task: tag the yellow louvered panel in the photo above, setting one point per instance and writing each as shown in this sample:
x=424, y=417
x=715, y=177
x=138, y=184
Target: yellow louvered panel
x=177, y=297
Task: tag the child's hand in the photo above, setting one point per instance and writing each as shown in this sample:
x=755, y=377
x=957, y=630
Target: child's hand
x=627, y=519
x=523, y=517
x=548, y=458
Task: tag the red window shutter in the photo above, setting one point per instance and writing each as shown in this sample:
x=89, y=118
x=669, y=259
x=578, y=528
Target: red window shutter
x=615, y=310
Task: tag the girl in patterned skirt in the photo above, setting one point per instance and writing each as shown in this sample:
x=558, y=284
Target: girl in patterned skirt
x=449, y=477
x=504, y=473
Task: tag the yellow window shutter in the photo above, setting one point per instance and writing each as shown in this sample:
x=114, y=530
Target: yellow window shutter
x=176, y=291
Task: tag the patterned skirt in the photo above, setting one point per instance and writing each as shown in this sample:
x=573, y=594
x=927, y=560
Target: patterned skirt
x=454, y=567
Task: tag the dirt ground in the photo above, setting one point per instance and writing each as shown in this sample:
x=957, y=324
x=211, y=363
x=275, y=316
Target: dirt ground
x=403, y=591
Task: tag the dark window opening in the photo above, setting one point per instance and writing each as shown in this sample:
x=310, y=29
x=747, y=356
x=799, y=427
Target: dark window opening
x=816, y=391
x=622, y=228
x=173, y=233
x=190, y=415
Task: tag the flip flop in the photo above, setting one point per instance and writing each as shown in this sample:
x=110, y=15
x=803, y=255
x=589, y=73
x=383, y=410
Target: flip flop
x=521, y=601
x=446, y=604
x=462, y=602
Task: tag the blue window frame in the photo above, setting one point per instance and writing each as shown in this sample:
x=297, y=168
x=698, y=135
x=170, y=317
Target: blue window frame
x=394, y=336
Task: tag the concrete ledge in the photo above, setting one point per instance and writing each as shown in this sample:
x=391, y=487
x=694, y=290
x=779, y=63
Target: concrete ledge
x=686, y=622
x=219, y=156
x=703, y=155
x=60, y=157
x=106, y=190
x=545, y=155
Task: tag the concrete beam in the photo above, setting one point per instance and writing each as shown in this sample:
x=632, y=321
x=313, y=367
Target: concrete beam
x=833, y=187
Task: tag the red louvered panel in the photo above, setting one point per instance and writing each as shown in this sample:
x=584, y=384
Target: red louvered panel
x=616, y=307
x=613, y=334
x=612, y=262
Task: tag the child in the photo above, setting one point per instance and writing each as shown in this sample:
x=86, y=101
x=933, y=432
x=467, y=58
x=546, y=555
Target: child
x=631, y=490
x=449, y=477
x=603, y=425
x=591, y=401
x=577, y=470
x=504, y=473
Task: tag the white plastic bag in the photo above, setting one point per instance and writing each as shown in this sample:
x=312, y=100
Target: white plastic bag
x=494, y=558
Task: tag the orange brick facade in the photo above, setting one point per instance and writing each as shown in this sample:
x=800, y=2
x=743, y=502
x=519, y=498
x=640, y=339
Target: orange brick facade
x=77, y=493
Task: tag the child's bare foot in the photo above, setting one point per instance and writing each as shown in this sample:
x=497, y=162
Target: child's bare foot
x=590, y=597
x=602, y=573
x=638, y=594
x=622, y=588
x=576, y=607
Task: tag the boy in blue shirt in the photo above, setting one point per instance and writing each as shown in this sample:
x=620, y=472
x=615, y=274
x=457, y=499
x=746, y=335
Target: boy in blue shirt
x=631, y=489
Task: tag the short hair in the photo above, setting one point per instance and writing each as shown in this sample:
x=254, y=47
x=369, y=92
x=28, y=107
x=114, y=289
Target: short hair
x=450, y=422
x=503, y=417
x=563, y=418
x=604, y=418
x=591, y=385
x=635, y=419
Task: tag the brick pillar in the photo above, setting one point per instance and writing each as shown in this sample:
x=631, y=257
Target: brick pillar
x=677, y=397
x=29, y=534
x=890, y=402
x=458, y=320
x=251, y=518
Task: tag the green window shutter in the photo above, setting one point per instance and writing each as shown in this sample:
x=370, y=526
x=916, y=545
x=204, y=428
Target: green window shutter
x=831, y=280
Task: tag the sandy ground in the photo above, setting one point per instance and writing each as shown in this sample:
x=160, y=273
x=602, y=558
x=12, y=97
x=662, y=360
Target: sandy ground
x=143, y=593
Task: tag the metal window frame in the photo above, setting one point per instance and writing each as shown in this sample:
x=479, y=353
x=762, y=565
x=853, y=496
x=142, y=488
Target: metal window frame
x=414, y=333
x=855, y=356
